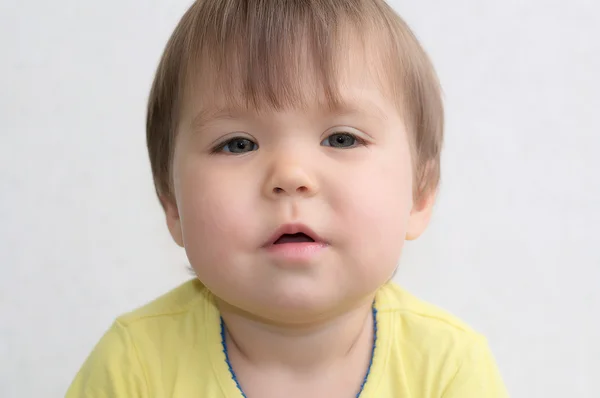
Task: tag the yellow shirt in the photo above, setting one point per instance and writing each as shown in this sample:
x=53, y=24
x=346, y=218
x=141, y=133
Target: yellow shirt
x=172, y=348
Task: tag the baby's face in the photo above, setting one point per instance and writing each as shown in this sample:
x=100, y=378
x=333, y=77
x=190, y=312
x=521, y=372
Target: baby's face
x=343, y=178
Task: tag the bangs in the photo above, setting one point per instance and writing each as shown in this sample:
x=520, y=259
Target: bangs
x=276, y=60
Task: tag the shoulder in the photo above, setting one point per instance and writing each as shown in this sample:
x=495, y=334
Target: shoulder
x=394, y=301
x=142, y=347
x=179, y=301
x=429, y=343
x=165, y=328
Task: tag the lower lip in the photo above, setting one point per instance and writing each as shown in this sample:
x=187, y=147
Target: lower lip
x=300, y=251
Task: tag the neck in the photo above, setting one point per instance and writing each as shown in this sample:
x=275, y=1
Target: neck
x=305, y=347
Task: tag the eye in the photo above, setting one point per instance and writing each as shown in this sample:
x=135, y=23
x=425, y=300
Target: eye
x=236, y=145
x=342, y=140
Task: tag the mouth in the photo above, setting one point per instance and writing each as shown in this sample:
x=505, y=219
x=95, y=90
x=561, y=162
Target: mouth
x=293, y=234
x=294, y=245
x=299, y=237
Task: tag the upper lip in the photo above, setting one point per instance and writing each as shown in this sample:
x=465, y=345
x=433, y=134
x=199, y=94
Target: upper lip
x=290, y=229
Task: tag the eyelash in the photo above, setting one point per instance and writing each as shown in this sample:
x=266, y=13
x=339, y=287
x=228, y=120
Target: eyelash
x=359, y=142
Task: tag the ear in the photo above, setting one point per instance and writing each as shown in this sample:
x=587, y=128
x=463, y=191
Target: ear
x=420, y=215
x=173, y=220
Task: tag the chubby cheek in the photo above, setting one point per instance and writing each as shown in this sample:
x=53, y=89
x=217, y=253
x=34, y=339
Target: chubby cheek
x=215, y=209
x=374, y=210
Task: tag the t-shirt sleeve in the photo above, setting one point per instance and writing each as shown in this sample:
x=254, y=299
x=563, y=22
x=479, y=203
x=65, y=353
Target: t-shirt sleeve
x=477, y=375
x=113, y=369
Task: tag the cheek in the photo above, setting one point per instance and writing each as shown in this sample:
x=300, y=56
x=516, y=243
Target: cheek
x=374, y=208
x=215, y=207
x=379, y=195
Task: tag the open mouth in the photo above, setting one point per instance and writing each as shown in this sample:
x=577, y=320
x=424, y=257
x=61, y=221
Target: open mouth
x=293, y=233
x=294, y=243
x=299, y=237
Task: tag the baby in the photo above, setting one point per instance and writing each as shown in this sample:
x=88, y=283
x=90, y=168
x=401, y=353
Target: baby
x=295, y=146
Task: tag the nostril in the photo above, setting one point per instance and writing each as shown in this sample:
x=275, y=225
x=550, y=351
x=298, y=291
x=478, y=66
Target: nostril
x=301, y=190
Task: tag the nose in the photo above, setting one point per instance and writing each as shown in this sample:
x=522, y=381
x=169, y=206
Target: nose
x=289, y=177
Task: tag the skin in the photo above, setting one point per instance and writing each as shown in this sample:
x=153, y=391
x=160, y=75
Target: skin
x=303, y=326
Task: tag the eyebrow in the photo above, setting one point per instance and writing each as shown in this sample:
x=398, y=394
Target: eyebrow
x=367, y=108
x=340, y=109
x=210, y=114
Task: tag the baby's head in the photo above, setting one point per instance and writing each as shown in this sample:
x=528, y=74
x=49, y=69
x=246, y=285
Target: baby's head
x=319, y=118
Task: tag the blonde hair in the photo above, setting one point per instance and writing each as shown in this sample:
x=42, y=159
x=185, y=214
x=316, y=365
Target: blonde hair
x=258, y=48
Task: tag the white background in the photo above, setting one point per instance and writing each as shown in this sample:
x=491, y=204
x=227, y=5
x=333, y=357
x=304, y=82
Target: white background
x=513, y=249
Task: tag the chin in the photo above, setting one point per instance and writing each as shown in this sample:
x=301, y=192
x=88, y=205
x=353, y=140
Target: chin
x=307, y=306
